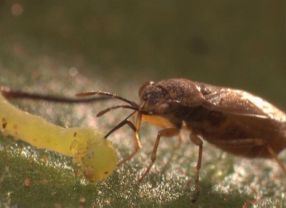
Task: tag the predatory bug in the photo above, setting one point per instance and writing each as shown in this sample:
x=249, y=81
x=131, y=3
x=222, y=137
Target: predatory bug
x=233, y=120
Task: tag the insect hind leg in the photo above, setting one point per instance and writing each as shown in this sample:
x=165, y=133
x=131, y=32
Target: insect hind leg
x=197, y=141
x=275, y=157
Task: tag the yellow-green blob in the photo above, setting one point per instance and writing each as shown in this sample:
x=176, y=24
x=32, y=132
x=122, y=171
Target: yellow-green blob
x=95, y=155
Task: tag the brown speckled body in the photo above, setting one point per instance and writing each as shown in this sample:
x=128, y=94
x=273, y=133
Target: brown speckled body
x=233, y=120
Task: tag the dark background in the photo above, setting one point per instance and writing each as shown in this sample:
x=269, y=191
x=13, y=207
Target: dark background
x=235, y=43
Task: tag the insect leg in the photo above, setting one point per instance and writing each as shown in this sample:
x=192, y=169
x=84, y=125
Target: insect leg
x=180, y=141
x=197, y=141
x=168, y=132
x=121, y=124
x=173, y=151
x=136, y=138
x=275, y=157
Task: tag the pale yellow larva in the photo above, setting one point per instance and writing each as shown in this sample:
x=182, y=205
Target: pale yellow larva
x=95, y=155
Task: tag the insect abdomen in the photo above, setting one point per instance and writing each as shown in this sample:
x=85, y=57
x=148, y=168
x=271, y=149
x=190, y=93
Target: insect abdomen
x=239, y=135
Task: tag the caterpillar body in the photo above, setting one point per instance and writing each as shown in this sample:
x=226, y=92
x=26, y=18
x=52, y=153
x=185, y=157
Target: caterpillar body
x=95, y=155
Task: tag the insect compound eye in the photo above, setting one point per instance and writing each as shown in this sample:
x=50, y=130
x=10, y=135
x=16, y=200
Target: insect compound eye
x=153, y=95
x=143, y=87
x=146, y=96
x=149, y=97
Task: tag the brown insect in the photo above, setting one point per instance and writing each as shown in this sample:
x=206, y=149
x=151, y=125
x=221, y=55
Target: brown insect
x=233, y=120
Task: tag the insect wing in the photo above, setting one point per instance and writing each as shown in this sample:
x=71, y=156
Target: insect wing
x=238, y=102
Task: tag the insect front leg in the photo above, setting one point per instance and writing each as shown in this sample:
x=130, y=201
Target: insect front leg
x=136, y=140
x=136, y=137
x=168, y=132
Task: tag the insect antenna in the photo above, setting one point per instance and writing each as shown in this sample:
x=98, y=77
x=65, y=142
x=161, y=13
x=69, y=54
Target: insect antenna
x=108, y=94
x=15, y=94
x=120, y=124
x=101, y=113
